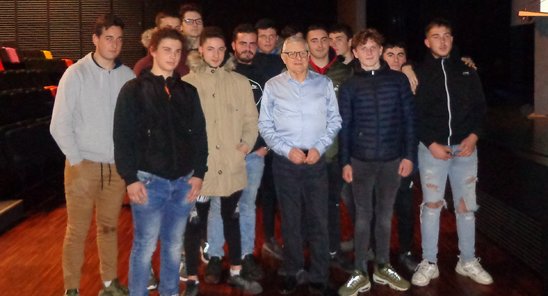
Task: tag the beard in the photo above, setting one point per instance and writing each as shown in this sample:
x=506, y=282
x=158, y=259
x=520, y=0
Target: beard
x=245, y=56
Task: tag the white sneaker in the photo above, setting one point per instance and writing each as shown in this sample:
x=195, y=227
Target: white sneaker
x=424, y=273
x=475, y=271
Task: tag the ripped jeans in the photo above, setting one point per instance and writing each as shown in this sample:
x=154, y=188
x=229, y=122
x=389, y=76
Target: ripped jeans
x=462, y=173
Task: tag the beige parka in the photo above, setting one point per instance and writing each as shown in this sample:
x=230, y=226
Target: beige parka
x=231, y=119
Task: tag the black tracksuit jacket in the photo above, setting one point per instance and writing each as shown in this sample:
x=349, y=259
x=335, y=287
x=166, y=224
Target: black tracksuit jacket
x=450, y=101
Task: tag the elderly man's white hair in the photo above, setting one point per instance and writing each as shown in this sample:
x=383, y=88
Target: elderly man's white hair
x=294, y=39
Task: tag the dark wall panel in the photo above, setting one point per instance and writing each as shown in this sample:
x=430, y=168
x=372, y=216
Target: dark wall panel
x=66, y=26
x=32, y=24
x=7, y=25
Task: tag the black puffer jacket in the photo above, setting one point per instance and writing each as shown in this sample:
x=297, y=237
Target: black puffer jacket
x=378, y=113
x=159, y=127
x=450, y=101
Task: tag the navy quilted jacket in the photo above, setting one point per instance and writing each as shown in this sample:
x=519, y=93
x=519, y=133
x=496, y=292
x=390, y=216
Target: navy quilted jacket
x=378, y=113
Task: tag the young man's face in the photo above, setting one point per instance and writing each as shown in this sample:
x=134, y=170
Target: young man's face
x=170, y=22
x=267, y=39
x=167, y=55
x=298, y=63
x=318, y=42
x=395, y=57
x=440, y=41
x=340, y=42
x=245, y=47
x=213, y=51
x=192, y=24
x=369, y=54
x=109, y=44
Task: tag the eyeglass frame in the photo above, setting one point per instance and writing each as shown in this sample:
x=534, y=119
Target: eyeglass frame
x=189, y=21
x=294, y=54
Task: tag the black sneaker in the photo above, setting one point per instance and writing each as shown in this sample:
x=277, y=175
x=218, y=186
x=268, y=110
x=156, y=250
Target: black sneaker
x=152, y=281
x=408, y=261
x=213, y=271
x=301, y=276
x=191, y=288
x=250, y=269
x=289, y=285
x=340, y=262
x=247, y=286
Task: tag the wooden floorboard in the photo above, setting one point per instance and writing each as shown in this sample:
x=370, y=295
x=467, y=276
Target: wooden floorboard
x=30, y=261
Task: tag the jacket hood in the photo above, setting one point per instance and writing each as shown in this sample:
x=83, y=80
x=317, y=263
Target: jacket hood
x=197, y=64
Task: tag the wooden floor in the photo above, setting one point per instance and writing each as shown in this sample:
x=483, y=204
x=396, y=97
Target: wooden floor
x=30, y=263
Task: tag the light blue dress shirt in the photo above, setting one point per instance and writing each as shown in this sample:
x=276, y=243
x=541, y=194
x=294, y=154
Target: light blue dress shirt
x=297, y=114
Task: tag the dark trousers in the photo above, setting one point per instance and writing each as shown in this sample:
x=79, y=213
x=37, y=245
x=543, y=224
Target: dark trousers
x=302, y=190
x=196, y=231
x=268, y=198
x=334, y=176
x=231, y=231
x=382, y=177
x=404, y=213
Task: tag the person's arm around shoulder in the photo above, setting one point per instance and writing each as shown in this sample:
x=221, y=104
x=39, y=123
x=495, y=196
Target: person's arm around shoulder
x=409, y=71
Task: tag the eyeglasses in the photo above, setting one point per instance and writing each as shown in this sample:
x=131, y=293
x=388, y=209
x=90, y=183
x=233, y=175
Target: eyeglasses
x=197, y=21
x=293, y=54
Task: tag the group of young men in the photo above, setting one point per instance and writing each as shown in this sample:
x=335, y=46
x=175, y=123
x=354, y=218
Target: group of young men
x=193, y=134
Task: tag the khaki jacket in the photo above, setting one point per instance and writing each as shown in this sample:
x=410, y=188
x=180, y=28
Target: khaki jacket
x=231, y=120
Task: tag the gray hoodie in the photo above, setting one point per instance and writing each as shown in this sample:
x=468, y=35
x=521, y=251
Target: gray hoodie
x=83, y=113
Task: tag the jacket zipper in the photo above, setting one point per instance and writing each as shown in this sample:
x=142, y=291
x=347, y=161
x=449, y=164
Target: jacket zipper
x=448, y=102
x=377, y=137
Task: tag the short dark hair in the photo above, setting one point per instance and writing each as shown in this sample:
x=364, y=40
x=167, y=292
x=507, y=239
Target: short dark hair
x=212, y=32
x=368, y=34
x=165, y=33
x=341, y=28
x=189, y=7
x=266, y=23
x=315, y=27
x=105, y=21
x=438, y=22
x=289, y=30
x=163, y=14
x=243, y=28
x=391, y=44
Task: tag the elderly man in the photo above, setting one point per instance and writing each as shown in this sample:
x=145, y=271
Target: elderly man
x=299, y=118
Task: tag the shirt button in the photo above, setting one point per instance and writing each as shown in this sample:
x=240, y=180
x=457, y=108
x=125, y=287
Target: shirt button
x=218, y=146
x=213, y=95
x=220, y=172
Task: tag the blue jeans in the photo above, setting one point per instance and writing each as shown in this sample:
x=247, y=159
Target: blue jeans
x=215, y=237
x=163, y=216
x=462, y=173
